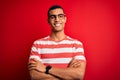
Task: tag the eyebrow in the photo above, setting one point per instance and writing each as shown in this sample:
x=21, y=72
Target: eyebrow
x=57, y=14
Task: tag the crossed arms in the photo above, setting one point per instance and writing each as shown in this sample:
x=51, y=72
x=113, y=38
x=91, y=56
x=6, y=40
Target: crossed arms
x=75, y=71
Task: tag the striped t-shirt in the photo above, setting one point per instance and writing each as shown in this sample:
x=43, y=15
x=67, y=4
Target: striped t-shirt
x=57, y=53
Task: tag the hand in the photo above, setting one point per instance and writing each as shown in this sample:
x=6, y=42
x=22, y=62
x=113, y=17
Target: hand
x=74, y=63
x=36, y=65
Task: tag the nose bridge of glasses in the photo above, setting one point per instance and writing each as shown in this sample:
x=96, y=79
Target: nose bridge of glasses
x=57, y=17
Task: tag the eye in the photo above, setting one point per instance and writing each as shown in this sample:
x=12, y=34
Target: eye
x=61, y=15
x=52, y=17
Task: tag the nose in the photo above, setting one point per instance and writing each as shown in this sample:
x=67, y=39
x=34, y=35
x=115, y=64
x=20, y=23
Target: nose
x=57, y=18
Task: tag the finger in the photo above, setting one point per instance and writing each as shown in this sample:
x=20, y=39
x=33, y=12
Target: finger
x=33, y=59
x=72, y=61
x=31, y=68
x=31, y=63
x=75, y=63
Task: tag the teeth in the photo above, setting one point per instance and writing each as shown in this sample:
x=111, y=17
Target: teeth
x=57, y=24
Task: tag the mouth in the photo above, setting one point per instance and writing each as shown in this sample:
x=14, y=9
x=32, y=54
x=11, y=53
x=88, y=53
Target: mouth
x=57, y=24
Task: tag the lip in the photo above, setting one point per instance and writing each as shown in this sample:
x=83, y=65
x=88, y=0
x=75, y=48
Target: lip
x=57, y=24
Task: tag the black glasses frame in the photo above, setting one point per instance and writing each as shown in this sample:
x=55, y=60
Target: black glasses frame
x=60, y=16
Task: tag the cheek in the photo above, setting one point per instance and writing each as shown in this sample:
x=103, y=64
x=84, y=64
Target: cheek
x=64, y=21
x=51, y=22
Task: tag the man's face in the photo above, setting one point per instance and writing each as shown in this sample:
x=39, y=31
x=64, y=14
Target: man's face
x=57, y=19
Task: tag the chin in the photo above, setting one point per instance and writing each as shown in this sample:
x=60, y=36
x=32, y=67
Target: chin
x=57, y=30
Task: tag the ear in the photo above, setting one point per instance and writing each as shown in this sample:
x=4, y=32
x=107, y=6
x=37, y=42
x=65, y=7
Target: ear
x=65, y=19
x=48, y=21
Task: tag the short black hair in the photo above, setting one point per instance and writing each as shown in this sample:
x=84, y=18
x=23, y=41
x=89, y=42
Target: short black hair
x=54, y=7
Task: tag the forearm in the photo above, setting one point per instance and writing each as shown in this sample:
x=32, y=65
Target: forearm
x=35, y=75
x=75, y=71
x=67, y=73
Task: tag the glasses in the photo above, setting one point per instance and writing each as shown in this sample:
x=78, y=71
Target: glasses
x=60, y=16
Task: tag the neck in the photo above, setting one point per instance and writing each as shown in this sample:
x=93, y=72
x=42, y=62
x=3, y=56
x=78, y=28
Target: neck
x=57, y=35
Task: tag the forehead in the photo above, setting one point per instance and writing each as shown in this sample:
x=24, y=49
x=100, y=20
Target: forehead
x=56, y=11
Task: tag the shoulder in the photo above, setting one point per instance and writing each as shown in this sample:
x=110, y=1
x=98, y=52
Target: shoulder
x=41, y=40
x=75, y=41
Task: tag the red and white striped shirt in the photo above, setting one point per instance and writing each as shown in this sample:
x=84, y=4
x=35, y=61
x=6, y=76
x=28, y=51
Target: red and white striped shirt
x=57, y=53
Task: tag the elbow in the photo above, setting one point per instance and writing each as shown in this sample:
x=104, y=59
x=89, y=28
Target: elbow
x=33, y=76
x=79, y=76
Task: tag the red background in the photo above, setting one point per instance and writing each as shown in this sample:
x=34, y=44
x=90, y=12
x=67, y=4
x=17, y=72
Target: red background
x=95, y=23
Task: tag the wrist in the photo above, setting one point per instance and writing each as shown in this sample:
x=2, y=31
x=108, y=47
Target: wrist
x=47, y=69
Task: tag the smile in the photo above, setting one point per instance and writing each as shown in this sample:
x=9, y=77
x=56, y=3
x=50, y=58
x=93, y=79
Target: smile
x=57, y=24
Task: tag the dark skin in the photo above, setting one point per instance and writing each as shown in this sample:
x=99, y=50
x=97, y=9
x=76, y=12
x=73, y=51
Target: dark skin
x=75, y=69
x=75, y=66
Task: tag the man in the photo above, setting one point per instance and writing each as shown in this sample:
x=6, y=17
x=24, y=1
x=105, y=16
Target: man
x=57, y=57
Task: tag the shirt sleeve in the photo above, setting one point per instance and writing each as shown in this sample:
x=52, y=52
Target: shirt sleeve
x=79, y=51
x=35, y=53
